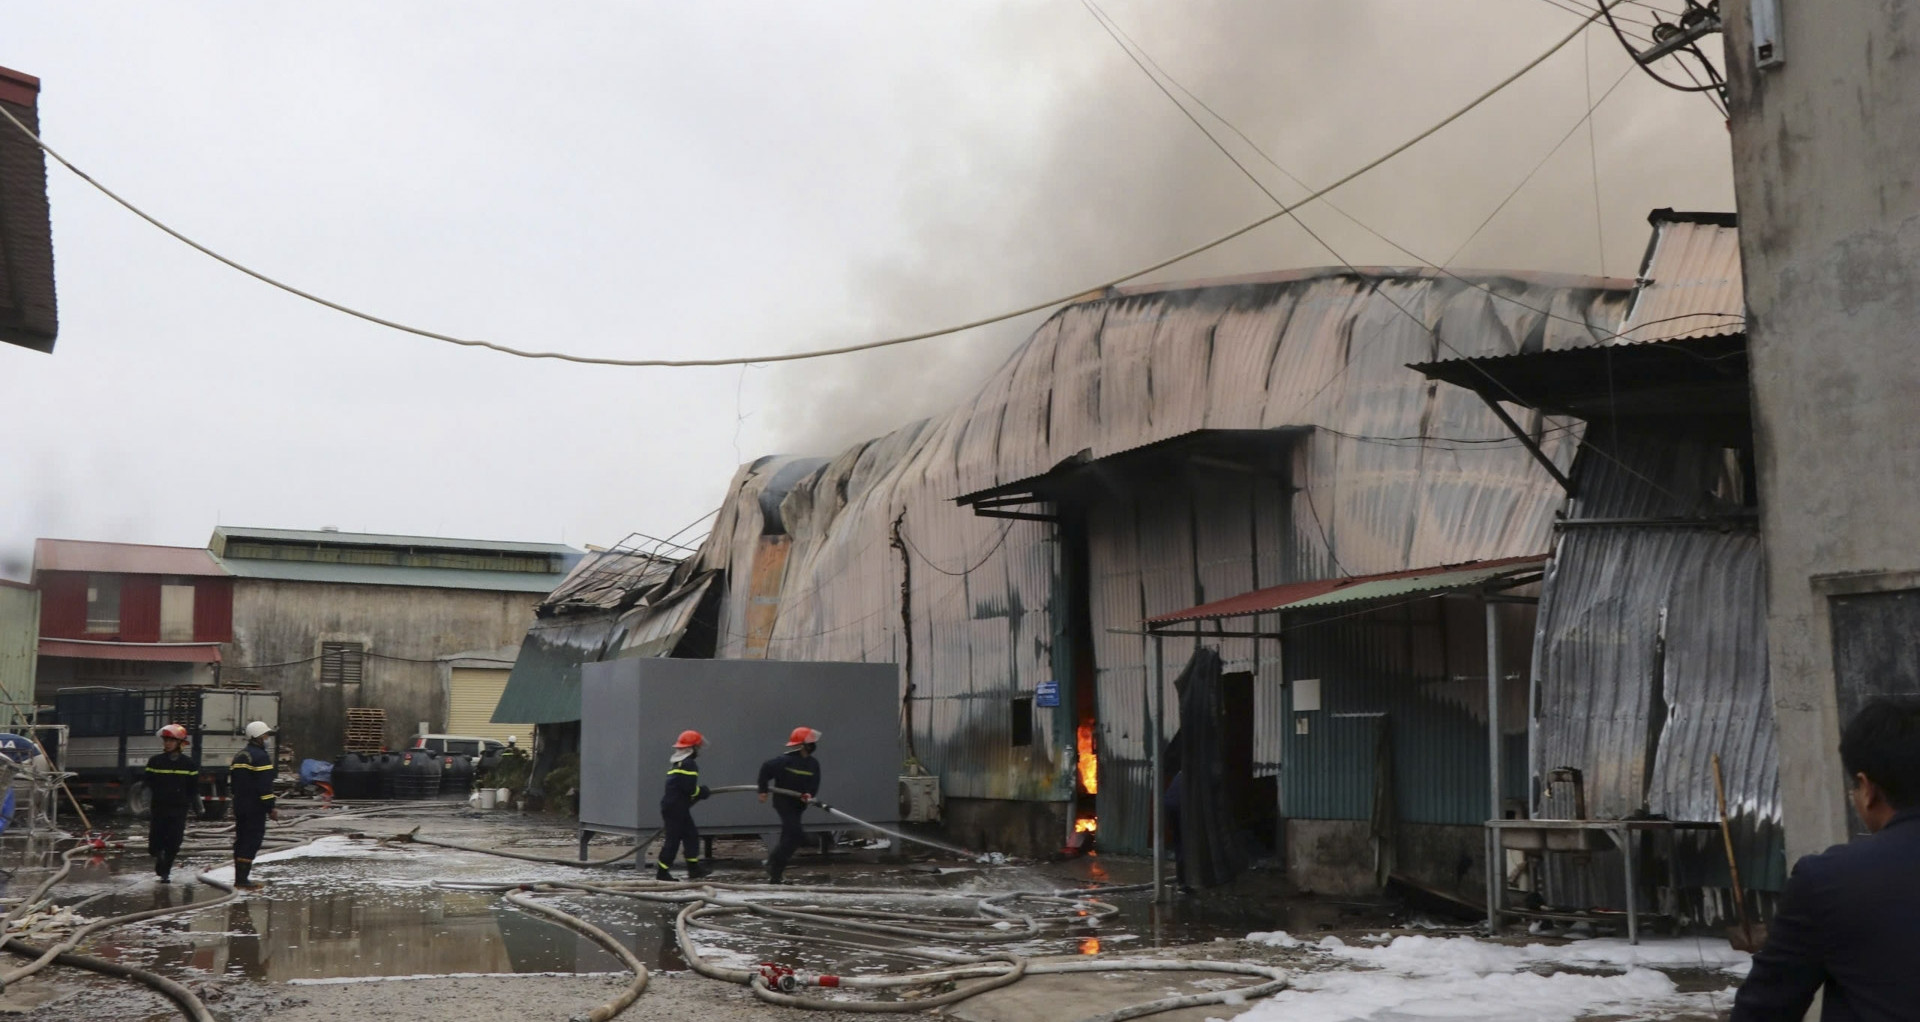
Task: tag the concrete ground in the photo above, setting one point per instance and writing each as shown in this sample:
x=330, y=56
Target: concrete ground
x=356, y=929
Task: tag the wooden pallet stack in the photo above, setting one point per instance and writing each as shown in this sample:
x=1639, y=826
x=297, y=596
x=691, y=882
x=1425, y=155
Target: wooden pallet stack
x=366, y=730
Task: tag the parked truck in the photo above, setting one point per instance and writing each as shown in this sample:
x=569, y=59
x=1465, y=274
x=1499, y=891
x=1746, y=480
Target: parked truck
x=111, y=732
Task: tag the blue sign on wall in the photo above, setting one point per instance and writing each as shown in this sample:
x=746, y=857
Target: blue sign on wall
x=1047, y=693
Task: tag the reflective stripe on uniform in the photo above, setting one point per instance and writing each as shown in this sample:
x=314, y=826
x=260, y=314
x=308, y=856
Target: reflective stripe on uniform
x=178, y=773
x=683, y=773
x=803, y=773
x=238, y=765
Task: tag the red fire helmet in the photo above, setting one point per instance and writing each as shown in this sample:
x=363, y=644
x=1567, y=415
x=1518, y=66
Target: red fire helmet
x=689, y=740
x=802, y=736
x=174, y=731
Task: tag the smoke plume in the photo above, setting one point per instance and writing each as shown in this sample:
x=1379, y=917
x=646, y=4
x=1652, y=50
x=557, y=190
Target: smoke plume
x=1102, y=174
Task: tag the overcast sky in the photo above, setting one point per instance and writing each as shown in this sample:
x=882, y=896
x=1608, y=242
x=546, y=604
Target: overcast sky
x=695, y=179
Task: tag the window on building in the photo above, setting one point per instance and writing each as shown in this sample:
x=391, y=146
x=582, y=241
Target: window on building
x=342, y=663
x=103, y=604
x=1022, y=720
x=176, y=613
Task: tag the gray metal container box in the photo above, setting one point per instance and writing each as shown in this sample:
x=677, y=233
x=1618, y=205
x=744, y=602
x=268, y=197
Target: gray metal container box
x=631, y=711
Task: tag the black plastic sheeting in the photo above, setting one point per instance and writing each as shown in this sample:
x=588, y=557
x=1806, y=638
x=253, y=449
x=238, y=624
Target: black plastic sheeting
x=1210, y=846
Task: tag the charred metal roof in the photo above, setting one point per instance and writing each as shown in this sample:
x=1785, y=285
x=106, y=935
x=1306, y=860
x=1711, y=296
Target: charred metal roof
x=1690, y=283
x=1678, y=363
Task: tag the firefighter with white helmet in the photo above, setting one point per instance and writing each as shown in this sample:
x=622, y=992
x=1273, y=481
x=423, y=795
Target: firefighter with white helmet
x=676, y=809
x=173, y=780
x=797, y=771
x=251, y=780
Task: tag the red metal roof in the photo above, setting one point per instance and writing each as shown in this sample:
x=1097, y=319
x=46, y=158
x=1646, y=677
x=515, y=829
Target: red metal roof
x=1437, y=579
x=124, y=558
x=170, y=652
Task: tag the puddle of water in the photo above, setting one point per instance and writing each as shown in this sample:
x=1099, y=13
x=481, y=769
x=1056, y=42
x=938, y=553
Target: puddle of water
x=353, y=934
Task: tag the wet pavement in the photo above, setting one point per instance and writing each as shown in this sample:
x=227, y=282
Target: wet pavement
x=358, y=909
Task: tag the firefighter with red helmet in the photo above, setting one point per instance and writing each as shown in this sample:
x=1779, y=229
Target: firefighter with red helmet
x=680, y=836
x=173, y=780
x=797, y=771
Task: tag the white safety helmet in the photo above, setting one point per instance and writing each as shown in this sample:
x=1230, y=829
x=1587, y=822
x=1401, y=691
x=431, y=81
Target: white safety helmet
x=259, y=729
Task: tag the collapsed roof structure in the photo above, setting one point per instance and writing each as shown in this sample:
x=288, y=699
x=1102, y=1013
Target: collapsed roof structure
x=1148, y=449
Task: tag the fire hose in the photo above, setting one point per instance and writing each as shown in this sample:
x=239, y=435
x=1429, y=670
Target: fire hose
x=996, y=919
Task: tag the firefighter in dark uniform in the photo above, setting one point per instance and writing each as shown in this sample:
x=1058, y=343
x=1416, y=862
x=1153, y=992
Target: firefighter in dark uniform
x=794, y=770
x=676, y=809
x=251, y=780
x=173, y=778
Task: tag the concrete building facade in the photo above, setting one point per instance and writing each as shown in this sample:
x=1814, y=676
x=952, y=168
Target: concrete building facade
x=335, y=621
x=1825, y=104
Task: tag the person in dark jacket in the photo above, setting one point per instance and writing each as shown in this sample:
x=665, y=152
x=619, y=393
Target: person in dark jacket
x=173, y=780
x=1849, y=921
x=794, y=770
x=250, y=778
x=676, y=809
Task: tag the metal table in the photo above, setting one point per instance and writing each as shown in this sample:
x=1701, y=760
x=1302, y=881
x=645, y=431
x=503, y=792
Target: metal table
x=1573, y=836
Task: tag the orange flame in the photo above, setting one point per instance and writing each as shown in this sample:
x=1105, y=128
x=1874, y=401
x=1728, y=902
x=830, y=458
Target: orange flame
x=1089, y=763
x=1090, y=945
x=1085, y=825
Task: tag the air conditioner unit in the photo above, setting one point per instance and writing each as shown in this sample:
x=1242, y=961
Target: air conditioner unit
x=920, y=798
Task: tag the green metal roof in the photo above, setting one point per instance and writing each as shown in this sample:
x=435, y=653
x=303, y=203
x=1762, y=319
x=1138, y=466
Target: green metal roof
x=326, y=537
x=544, y=687
x=1439, y=581
x=391, y=575
x=1364, y=588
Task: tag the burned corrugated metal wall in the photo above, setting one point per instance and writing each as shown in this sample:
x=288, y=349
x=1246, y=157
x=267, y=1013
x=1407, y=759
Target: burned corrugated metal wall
x=1392, y=472
x=1651, y=656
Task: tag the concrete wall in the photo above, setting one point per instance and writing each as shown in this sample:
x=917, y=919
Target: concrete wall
x=1825, y=151
x=1012, y=826
x=1330, y=856
x=276, y=622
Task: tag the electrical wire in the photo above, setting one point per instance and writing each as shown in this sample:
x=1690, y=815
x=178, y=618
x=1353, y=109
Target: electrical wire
x=964, y=572
x=1606, y=11
x=1078, y=293
x=1424, y=326
x=1593, y=148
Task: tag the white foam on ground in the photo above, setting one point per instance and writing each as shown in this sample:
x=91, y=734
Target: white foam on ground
x=1417, y=977
x=1421, y=955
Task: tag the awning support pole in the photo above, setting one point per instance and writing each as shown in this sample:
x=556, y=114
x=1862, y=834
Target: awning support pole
x=1496, y=854
x=1158, y=715
x=1533, y=447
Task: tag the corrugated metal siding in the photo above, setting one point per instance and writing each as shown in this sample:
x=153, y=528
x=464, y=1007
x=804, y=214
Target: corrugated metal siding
x=1693, y=288
x=1421, y=667
x=1314, y=349
x=1651, y=654
x=19, y=649
x=473, y=693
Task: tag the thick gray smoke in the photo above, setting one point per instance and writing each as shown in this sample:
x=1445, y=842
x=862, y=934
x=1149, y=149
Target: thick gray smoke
x=1107, y=175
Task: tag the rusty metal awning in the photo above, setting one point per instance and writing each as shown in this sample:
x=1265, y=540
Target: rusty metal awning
x=1502, y=573
x=154, y=652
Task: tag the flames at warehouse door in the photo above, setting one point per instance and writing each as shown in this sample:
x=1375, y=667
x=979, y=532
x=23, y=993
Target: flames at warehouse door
x=1089, y=762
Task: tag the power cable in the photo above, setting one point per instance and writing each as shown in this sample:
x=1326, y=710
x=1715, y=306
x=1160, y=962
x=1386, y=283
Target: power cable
x=984, y=558
x=1593, y=148
x=1606, y=11
x=1364, y=169
x=1440, y=267
x=1430, y=331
